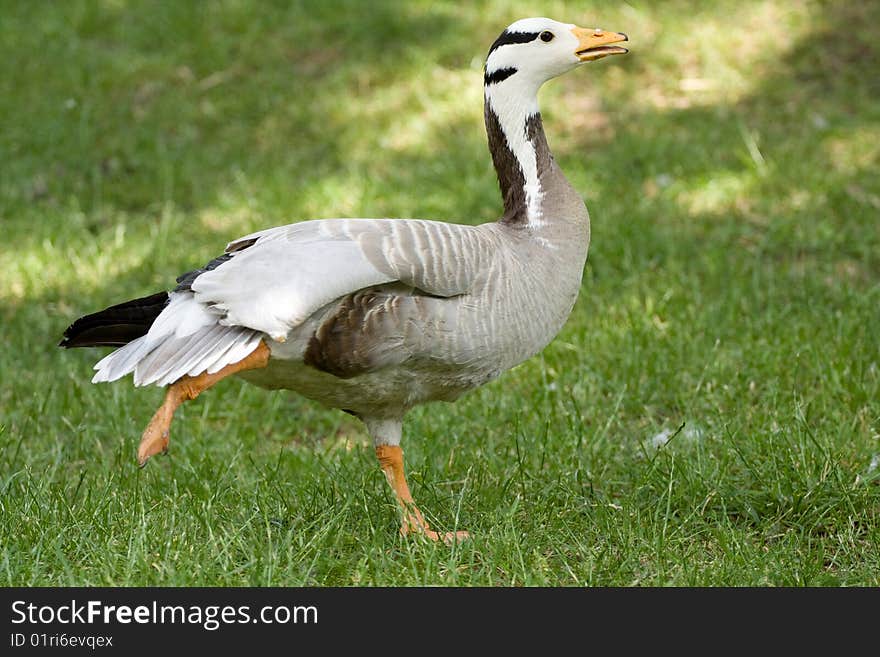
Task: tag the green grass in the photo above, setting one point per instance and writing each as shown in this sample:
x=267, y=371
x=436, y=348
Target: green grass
x=730, y=165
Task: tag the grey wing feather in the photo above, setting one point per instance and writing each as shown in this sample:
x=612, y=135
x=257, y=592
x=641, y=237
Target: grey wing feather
x=287, y=273
x=273, y=280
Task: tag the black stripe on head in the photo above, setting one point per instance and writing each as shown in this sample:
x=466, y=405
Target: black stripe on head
x=513, y=37
x=498, y=75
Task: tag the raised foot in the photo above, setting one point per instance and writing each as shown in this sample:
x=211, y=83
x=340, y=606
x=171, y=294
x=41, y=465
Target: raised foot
x=156, y=436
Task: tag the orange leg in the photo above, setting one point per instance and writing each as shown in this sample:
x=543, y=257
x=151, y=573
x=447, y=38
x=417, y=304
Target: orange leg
x=157, y=433
x=391, y=460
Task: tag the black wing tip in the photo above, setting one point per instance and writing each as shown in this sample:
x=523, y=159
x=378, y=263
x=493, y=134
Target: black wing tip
x=74, y=341
x=115, y=326
x=66, y=341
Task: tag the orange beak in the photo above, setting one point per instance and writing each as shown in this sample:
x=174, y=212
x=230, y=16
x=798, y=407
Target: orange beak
x=596, y=44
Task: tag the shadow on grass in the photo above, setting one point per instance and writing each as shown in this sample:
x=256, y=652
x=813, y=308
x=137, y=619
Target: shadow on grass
x=194, y=109
x=183, y=106
x=217, y=102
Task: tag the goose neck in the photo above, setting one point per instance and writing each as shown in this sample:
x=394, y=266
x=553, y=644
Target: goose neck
x=519, y=151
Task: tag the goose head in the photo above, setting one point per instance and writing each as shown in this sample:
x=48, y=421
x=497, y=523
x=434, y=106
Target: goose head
x=533, y=50
x=527, y=54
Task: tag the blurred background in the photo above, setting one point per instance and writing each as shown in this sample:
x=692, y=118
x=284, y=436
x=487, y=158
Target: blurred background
x=730, y=164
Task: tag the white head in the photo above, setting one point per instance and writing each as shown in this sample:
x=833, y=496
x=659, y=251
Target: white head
x=533, y=50
x=525, y=56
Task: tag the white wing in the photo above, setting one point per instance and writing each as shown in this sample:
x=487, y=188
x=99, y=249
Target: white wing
x=275, y=279
x=186, y=338
x=285, y=274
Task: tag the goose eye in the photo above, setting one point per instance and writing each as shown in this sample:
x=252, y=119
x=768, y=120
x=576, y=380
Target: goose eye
x=546, y=36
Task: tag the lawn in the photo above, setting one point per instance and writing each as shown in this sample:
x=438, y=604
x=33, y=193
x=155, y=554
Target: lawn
x=710, y=415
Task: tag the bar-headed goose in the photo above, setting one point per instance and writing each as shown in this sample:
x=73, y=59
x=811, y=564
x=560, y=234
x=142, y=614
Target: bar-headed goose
x=375, y=316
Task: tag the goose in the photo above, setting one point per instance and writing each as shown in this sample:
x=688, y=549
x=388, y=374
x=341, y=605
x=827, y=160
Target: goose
x=376, y=316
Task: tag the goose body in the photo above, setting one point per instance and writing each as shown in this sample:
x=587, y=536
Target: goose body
x=375, y=316
x=379, y=351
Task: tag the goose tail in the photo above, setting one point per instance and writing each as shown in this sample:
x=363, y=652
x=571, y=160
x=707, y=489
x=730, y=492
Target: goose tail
x=161, y=338
x=117, y=325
